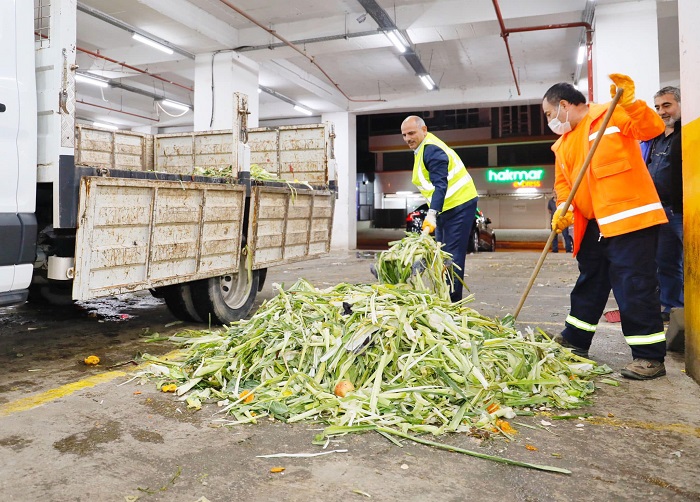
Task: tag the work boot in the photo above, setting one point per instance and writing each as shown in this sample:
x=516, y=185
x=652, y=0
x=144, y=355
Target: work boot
x=643, y=369
x=574, y=349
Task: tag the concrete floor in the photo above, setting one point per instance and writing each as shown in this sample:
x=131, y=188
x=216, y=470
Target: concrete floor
x=69, y=432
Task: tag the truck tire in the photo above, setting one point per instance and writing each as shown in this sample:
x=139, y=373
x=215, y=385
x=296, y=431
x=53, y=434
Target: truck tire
x=227, y=298
x=178, y=298
x=493, y=244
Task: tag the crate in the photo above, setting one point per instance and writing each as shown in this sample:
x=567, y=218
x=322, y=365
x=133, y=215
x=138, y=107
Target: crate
x=288, y=225
x=137, y=234
x=126, y=150
x=293, y=152
x=183, y=153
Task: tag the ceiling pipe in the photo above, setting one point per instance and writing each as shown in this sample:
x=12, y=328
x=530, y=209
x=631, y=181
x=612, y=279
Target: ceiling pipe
x=131, y=29
x=124, y=65
x=304, y=41
x=299, y=50
x=504, y=36
x=115, y=110
x=589, y=43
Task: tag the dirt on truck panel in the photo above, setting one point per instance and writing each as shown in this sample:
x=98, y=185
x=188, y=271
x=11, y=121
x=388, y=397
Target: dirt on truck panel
x=69, y=431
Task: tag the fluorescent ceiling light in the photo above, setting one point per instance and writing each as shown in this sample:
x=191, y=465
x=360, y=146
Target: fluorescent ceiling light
x=152, y=43
x=175, y=104
x=427, y=81
x=79, y=77
x=581, y=54
x=259, y=90
x=397, y=40
x=303, y=110
x=105, y=126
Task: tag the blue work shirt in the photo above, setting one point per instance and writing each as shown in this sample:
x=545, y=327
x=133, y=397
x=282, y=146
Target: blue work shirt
x=436, y=162
x=659, y=162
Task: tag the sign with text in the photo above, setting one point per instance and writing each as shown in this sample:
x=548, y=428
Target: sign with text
x=517, y=178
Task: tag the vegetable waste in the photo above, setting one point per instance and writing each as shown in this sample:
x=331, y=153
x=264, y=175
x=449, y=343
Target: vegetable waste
x=418, y=261
x=394, y=356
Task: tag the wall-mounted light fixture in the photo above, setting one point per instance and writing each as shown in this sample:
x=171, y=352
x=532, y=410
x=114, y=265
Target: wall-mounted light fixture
x=152, y=43
x=89, y=79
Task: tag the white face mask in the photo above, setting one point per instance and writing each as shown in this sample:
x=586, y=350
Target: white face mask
x=557, y=126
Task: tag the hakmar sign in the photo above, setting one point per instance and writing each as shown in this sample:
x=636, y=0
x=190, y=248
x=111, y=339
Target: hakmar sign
x=518, y=178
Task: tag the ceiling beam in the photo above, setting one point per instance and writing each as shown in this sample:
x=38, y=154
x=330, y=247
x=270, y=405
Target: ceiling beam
x=305, y=80
x=196, y=19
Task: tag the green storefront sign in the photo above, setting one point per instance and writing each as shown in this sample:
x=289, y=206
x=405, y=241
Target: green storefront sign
x=517, y=177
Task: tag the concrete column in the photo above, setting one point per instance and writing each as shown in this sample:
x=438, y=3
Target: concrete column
x=232, y=73
x=626, y=41
x=345, y=220
x=689, y=36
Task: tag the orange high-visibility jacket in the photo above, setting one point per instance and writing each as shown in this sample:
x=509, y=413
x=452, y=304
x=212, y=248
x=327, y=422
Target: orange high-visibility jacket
x=617, y=190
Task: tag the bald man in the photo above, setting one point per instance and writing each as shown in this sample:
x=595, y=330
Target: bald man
x=442, y=179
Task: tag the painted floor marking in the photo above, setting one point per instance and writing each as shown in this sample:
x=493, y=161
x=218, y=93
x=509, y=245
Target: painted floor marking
x=27, y=403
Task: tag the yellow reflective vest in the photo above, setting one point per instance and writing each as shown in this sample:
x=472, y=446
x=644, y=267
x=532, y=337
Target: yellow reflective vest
x=460, y=186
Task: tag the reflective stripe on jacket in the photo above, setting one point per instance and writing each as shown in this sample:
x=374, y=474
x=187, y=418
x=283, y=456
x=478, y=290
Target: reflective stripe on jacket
x=617, y=190
x=460, y=186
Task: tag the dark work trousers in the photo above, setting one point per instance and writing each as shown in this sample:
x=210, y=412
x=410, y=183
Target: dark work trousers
x=568, y=241
x=625, y=263
x=454, y=227
x=669, y=259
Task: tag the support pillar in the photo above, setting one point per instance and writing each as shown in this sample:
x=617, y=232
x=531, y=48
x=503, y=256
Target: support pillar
x=626, y=41
x=689, y=37
x=231, y=73
x=345, y=220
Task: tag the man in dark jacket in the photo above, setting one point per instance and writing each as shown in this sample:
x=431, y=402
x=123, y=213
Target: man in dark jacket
x=442, y=179
x=663, y=157
x=566, y=234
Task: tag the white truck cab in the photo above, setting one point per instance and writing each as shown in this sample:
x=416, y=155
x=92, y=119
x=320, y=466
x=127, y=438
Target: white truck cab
x=18, y=151
x=87, y=213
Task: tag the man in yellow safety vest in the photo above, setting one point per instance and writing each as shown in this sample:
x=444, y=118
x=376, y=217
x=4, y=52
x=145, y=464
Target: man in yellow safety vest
x=442, y=179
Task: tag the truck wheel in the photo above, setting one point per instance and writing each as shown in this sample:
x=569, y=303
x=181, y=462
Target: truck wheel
x=226, y=298
x=493, y=244
x=178, y=298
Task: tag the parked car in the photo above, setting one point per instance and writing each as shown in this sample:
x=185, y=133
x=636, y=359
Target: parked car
x=482, y=238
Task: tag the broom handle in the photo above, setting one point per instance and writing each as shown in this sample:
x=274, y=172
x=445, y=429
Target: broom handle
x=574, y=188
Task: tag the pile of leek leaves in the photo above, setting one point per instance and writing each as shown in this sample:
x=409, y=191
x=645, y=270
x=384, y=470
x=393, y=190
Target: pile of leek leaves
x=419, y=363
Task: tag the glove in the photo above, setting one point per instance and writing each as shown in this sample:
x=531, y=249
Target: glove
x=626, y=84
x=561, y=221
x=430, y=222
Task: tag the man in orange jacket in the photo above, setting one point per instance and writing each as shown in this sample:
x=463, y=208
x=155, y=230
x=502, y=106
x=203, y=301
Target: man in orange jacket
x=617, y=212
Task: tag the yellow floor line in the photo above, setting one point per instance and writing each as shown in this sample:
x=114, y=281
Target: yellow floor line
x=27, y=403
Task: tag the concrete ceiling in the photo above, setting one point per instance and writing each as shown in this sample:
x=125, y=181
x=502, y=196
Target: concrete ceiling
x=457, y=41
